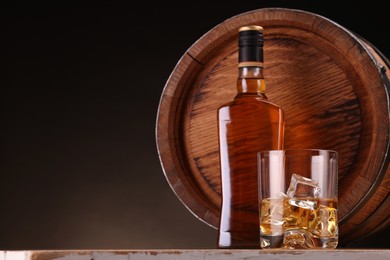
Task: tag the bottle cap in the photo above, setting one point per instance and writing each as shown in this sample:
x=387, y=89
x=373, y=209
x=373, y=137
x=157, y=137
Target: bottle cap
x=251, y=28
x=250, y=43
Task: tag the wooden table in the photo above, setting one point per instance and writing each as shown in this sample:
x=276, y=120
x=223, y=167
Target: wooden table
x=204, y=254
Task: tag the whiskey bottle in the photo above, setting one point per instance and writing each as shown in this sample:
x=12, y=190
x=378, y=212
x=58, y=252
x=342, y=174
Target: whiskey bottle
x=248, y=124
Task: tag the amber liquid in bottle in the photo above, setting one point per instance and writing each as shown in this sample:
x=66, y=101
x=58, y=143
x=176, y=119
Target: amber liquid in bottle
x=248, y=124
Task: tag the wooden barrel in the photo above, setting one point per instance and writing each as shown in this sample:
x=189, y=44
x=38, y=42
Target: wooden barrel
x=333, y=86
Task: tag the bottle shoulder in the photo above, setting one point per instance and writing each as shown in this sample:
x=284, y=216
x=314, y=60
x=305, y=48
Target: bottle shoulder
x=251, y=102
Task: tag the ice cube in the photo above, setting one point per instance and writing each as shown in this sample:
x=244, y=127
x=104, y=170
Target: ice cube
x=324, y=224
x=302, y=187
x=277, y=212
x=265, y=243
x=272, y=213
x=298, y=238
x=305, y=204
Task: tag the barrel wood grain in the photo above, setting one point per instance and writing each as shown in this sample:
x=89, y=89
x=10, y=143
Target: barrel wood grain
x=332, y=86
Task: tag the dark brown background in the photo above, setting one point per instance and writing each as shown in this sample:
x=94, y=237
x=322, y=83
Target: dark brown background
x=80, y=90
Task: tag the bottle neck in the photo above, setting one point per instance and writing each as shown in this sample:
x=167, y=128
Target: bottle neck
x=251, y=80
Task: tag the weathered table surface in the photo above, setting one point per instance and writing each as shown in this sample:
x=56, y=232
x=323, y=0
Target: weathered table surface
x=173, y=254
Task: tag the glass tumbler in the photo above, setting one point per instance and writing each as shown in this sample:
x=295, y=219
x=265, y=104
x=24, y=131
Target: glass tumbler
x=298, y=198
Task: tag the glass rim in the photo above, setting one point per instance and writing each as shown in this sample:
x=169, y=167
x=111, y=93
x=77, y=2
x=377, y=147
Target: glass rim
x=298, y=152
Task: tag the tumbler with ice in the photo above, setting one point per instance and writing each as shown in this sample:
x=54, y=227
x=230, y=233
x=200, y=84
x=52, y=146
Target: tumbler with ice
x=298, y=199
